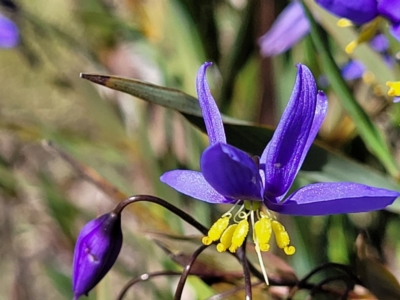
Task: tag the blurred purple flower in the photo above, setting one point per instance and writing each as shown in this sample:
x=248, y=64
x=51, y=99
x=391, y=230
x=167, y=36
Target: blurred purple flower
x=229, y=175
x=9, y=35
x=354, y=69
x=288, y=29
x=96, y=250
x=364, y=11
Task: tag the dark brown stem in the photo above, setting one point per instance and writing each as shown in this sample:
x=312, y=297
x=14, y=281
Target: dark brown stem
x=241, y=255
x=185, y=273
x=148, y=198
x=144, y=277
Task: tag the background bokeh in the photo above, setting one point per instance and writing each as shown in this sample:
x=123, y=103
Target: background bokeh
x=45, y=197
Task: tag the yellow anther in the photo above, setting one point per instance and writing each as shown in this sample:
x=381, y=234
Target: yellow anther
x=263, y=231
x=239, y=235
x=216, y=230
x=344, y=23
x=289, y=250
x=226, y=239
x=368, y=77
x=394, y=88
x=282, y=238
x=351, y=46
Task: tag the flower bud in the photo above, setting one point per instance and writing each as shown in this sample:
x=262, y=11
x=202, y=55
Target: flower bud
x=96, y=250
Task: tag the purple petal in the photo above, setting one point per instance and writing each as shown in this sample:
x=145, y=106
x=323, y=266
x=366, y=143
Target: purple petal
x=231, y=172
x=396, y=99
x=358, y=11
x=211, y=114
x=354, y=69
x=193, y=184
x=390, y=9
x=320, y=112
x=395, y=31
x=8, y=33
x=286, y=151
x=380, y=43
x=289, y=28
x=334, y=198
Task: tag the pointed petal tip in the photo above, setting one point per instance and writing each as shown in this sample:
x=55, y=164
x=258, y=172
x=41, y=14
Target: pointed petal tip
x=211, y=115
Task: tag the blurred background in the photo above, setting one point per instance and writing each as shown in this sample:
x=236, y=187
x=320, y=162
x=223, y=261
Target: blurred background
x=125, y=143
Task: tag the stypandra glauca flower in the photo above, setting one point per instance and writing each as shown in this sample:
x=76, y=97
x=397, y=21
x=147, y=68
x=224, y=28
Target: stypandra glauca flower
x=256, y=187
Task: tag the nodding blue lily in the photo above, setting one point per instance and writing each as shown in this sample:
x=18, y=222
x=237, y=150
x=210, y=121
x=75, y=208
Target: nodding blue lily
x=257, y=186
x=9, y=34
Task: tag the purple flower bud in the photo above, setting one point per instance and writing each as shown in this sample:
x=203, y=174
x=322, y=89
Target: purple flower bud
x=96, y=250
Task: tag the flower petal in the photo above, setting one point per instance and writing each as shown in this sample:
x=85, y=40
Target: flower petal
x=354, y=69
x=359, y=11
x=193, y=184
x=380, y=43
x=289, y=28
x=295, y=133
x=211, y=114
x=334, y=198
x=231, y=172
x=390, y=10
x=320, y=112
x=9, y=35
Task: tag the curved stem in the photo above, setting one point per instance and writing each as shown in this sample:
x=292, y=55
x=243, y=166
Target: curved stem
x=318, y=287
x=225, y=294
x=241, y=254
x=148, y=198
x=185, y=273
x=341, y=267
x=144, y=277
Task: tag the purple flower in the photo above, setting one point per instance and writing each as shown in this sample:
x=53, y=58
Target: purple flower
x=96, y=250
x=9, y=36
x=354, y=69
x=288, y=29
x=229, y=175
x=364, y=11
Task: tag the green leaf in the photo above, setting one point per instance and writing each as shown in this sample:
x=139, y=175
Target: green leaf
x=367, y=130
x=321, y=164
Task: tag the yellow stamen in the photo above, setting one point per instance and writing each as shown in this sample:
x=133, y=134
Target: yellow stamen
x=216, y=230
x=282, y=238
x=367, y=33
x=226, y=239
x=263, y=231
x=351, y=46
x=260, y=259
x=344, y=23
x=239, y=235
x=394, y=88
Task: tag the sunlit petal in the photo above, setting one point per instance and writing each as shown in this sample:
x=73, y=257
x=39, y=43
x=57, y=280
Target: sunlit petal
x=193, y=184
x=334, y=198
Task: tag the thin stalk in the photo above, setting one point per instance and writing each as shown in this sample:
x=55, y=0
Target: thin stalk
x=185, y=273
x=144, y=277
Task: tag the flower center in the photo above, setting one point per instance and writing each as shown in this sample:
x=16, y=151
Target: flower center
x=231, y=231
